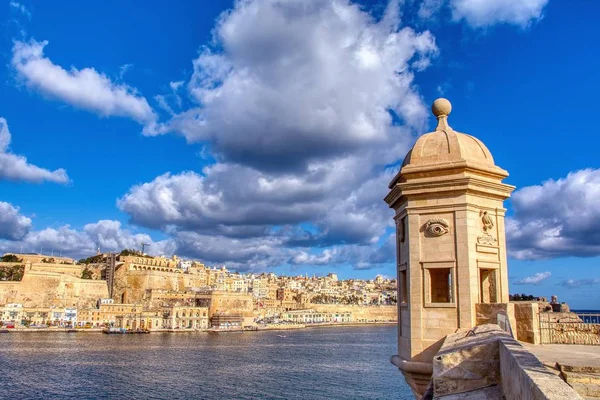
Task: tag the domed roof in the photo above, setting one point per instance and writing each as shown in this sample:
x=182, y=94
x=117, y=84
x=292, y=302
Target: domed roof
x=445, y=145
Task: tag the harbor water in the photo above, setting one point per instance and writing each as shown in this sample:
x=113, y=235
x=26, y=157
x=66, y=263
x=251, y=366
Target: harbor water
x=316, y=363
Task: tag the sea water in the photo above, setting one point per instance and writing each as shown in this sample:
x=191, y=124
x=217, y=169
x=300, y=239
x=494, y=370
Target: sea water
x=315, y=363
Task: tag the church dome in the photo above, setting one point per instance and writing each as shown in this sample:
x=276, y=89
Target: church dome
x=445, y=145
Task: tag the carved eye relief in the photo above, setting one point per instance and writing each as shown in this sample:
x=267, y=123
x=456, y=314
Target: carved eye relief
x=437, y=227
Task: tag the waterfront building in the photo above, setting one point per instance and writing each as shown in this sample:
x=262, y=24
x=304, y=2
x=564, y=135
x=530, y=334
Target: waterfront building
x=223, y=321
x=12, y=312
x=182, y=317
x=316, y=317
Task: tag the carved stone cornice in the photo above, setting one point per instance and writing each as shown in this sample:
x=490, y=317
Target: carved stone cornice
x=466, y=184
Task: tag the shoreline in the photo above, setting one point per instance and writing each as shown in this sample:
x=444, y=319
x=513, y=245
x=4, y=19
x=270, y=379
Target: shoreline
x=258, y=329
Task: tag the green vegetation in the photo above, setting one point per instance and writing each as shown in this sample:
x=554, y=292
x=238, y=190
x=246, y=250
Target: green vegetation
x=98, y=258
x=10, y=258
x=132, y=252
x=14, y=273
x=521, y=297
x=87, y=273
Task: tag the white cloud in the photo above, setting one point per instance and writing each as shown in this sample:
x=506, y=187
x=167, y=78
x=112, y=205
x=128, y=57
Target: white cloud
x=295, y=100
x=534, y=279
x=429, y=8
x=304, y=82
x=85, y=88
x=482, y=13
x=21, y=8
x=577, y=283
x=105, y=234
x=13, y=225
x=557, y=218
x=16, y=168
x=123, y=70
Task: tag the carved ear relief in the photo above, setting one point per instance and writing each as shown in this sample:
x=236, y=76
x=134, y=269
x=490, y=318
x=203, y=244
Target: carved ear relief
x=437, y=226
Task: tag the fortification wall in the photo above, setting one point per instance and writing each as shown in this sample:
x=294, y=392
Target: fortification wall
x=136, y=283
x=528, y=322
x=46, y=289
x=67, y=269
x=361, y=313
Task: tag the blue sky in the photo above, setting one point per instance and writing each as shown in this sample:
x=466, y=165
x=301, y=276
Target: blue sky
x=260, y=134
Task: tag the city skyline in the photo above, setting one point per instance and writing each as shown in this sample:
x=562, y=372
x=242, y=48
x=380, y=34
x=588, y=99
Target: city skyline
x=213, y=134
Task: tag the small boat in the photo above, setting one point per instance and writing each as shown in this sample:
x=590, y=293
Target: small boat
x=4, y=331
x=71, y=330
x=115, y=331
x=281, y=336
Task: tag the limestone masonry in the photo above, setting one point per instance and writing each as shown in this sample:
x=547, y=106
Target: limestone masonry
x=134, y=291
x=452, y=272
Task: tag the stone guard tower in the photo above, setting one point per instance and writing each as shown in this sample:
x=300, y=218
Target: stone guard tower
x=451, y=252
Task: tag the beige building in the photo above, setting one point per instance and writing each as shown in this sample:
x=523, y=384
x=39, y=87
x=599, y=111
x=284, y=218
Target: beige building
x=316, y=317
x=451, y=252
x=180, y=317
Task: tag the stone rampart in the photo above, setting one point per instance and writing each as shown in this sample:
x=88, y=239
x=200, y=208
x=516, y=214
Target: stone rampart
x=488, y=362
x=361, y=313
x=135, y=283
x=574, y=333
x=487, y=313
x=525, y=377
x=527, y=316
x=67, y=269
x=46, y=289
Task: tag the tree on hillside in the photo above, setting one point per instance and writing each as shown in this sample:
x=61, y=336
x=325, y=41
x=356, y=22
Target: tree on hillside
x=14, y=273
x=87, y=273
x=98, y=258
x=521, y=297
x=10, y=258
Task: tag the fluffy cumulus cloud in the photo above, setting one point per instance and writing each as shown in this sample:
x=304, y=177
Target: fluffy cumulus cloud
x=105, y=235
x=83, y=88
x=13, y=225
x=290, y=83
x=297, y=102
x=557, y=218
x=534, y=279
x=481, y=13
x=16, y=168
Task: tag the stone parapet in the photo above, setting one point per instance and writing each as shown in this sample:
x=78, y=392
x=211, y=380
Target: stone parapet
x=527, y=316
x=472, y=363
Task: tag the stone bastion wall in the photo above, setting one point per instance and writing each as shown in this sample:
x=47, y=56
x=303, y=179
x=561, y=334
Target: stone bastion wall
x=361, y=313
x=44, y=289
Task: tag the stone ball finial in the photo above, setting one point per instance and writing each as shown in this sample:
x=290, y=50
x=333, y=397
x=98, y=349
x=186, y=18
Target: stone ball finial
x=441, y=107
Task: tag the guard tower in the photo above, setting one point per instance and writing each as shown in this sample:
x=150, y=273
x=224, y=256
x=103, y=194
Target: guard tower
x=451, y=252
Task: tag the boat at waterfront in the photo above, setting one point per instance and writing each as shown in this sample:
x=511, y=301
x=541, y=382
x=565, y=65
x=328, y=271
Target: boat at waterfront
x=123, y=331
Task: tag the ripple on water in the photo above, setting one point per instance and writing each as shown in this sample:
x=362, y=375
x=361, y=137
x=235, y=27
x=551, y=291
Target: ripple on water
x=336, y=363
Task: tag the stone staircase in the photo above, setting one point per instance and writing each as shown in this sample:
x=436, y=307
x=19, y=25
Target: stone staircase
x=584, y=379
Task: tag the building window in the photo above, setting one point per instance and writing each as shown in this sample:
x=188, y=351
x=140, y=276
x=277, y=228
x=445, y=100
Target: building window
x=402, y=229
x=487, y=285
x=439, y=284
x=403, y=286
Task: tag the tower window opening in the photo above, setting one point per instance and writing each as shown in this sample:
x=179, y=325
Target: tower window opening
x=440, y=285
